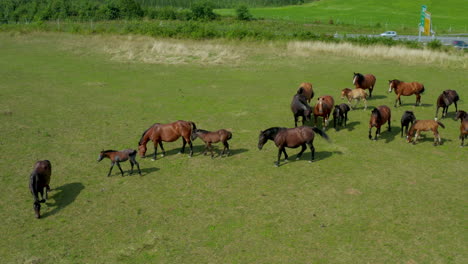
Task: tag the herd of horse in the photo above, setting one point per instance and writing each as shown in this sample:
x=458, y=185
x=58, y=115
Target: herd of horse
x=283, y=137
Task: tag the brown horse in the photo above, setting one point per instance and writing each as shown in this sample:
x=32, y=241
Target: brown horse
x=306, y=89
x=120, y=156
x=38, y=181
x=323, y=108
x=463, y=116
x=406, y=89
x=291, y=138
x=445, y=100
x=167, y=133
x=364, y=81
x=379, y=116
x=357, y=94
x=213, y=137
x=425, y=125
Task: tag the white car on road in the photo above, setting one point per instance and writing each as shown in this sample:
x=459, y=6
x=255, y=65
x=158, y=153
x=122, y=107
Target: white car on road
x=389, y=34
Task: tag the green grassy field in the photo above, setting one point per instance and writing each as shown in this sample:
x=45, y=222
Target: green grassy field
x=66, y=97
x=401, y=15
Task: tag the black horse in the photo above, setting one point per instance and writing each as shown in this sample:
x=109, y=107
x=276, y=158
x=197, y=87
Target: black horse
x=291, y=138
x=340, y=115
x=407, y=119
x=445, y=100
x=300, y=107
x=38, y=181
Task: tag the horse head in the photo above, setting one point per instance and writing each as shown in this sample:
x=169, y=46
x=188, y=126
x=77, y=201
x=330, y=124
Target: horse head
x=375, y=117
x=357, y=78
x=142, y=150
x=393, y=84
x=461, y=115
x=336, y=111
x=410, y=115
x=101, y=156
x=194, y=134
x=262, y=139
x=345, y=92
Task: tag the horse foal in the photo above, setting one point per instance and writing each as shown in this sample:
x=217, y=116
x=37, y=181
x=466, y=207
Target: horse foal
x=340, y=115
x=357, y=94
x=213, y=137
x=463, y=116
x=120, y=156
x=424, y=125
x=407, y=119
x=40, y=179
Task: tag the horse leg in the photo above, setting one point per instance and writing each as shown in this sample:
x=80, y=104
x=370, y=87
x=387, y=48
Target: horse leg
x=312, y=151
x=206, y=149
x=155, y=151
x=295, y=120
x=211, y=150
x=416, y=137
x=285, y=154
x=345, y=119
x=456, y=108
x=191, y=148
x=138, y=166
x=182, y=150
x=418, y=100
x=121, y=171
x=370, y=91
x=162, y=149
x=112, y=166
x=131, y=164
x=280, y=150
x=299, y=155
x=365, y=103
x=389, y=123
x=226, y=146
x=370, y=133
x=437, y=112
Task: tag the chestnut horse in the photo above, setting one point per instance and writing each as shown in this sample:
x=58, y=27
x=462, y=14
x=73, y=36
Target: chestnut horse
x=364, y=81
x=300, y=107
x=40, y=179
x=213, y=137
x=323, y=108
x=340, y=114
x=406, y=89
x=379, y=116
x=424, y=125
x=407, y=118
x=356, y=94
x=306, y=89
x=291, y=138
x=463, y=116
x=445, y=100
x=120, y=156
x=167, y=133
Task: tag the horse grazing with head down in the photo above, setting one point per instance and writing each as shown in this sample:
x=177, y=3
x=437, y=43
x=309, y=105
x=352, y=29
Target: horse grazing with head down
x=213, y=137
x=168, y=133
x=306, y=89
x=445, y=100
x=364, y=81
x=120, y=156
x=340, y=115
x=406, y=89
x=424, y=125
x=463, y=116
x=407, y=118
x=38, y=181
x=291, y=138
x=323, y=108
x=379, y=116
x=357, y=94
x=300, y=107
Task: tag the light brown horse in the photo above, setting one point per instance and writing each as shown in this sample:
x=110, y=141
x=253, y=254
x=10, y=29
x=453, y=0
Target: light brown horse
x=379, y=116
x=208, y=137
x=120, y=156
x=38, y=181
x=357, y=94
x=364, y=81
x=463, y=116
x=424, y=125
x=406, y=89
x=323, y=108
x=306, y=89
x=167, y=133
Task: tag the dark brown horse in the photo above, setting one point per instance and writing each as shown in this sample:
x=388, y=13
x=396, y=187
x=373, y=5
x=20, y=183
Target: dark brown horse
x=364, y=81
x=300, y=107
x=340, y=115
x=379, y=116
x=424, y=125
x=323, y=108
x=38, y=181
x=306, y=89
x=445, y=100
x=407, y=118
x=463, y=116
x=208, y=137
x=406, y=89
x=167, y=133
x=120, y=156
x=291, y=138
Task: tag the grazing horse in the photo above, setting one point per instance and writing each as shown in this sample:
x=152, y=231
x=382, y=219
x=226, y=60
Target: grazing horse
x=407, y=118
x=300, y=107
x=340, y=114
x=445, y=100
x=406, y=89
x=213, y=137
x=40, y=179
x=168, y=133
x=291, y=138
x=379, y=116
x=323, y=108
x=364, y=81
x=306, y=89
x=356, y=94
x=424, y=125
x=463, y=116
x=120, y=156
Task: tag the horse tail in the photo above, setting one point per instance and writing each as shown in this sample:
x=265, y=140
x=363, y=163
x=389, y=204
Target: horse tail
x=133, y=153
x=321, y=133
x=229, y=135
x=422, y=90
x=440, y=124
x=194, y=127
x=34, y=185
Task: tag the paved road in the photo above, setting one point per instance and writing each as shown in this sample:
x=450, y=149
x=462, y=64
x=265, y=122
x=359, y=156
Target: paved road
x=446, y=40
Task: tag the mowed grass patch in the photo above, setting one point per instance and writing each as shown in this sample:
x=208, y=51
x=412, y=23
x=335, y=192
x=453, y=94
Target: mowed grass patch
x=360, y=201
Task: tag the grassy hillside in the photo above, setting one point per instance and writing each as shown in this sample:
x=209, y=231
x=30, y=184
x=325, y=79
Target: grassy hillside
x=448, y=16
x=66, y=97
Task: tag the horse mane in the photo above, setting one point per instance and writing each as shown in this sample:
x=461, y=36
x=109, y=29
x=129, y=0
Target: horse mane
x=360, y=78
x=144, y=133
x=300, y=90
x=201, y=130
x=376, y=112
x=109, y=150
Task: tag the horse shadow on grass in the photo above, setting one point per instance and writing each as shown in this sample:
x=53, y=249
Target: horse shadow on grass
x=389, y=136
x=349, y=126
x=429, y=138
x=198, y=150
x=63, y=196
x=377, y=97
x=319, y=155
x=144, y=171
x=412, y=104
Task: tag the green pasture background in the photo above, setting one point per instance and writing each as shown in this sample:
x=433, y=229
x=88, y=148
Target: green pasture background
x=360, y=201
